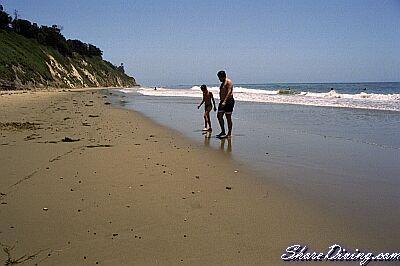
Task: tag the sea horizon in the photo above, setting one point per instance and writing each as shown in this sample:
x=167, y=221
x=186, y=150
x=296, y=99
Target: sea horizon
x=283, y=82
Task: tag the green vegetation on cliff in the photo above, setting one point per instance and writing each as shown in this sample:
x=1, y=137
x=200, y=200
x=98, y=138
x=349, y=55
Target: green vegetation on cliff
x=32, y=56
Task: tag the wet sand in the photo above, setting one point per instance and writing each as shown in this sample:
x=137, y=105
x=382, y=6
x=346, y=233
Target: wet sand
x=336, y=159
x=83, y=182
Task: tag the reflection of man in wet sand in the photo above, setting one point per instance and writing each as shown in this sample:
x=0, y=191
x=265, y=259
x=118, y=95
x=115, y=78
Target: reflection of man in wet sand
x=229, y=146
x=226, y=104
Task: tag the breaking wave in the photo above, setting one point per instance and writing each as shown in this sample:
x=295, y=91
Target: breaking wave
x=363, y=100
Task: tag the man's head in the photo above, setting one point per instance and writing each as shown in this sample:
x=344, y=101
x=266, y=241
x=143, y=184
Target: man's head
x=221, y=75
x=203, y=88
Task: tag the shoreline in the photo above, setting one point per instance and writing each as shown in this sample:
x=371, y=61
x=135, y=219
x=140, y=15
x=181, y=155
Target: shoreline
x=55, y=89
x=137, y=192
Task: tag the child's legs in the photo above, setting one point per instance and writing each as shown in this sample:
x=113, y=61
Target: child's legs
x=207, y=118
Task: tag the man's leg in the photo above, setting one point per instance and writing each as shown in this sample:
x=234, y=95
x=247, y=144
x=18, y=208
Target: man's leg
x=229, y=120
x=220, y=116
x=205, y=119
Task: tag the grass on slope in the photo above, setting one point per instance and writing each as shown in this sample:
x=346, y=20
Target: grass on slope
x=16, y=50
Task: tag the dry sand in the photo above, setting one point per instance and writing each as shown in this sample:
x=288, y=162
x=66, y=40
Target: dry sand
x=128, y=191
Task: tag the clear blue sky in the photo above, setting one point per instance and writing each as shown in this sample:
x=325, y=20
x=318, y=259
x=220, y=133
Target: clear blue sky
x=188, y=41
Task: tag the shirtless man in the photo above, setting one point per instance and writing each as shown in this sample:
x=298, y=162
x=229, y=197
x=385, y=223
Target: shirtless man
x=226, y=104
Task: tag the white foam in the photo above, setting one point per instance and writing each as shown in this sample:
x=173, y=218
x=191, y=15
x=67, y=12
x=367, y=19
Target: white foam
x=361, y=100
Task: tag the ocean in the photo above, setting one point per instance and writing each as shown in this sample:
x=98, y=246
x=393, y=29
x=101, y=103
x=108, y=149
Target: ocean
x=377, y=96
x=339, y=149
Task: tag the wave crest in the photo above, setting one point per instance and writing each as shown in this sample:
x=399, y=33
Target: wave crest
x=363, y=100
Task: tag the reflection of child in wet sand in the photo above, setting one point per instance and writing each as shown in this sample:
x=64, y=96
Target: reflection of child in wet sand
x=208, y=106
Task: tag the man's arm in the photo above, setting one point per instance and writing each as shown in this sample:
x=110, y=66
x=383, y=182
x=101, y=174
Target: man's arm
x=212, y=98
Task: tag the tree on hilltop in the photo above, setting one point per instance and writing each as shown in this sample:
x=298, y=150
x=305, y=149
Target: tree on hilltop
x=16, y=14
x=121, y=68
x=51, y=36
x=94, y=51
x=76, y=46
x=5, y=19
x=25, y=28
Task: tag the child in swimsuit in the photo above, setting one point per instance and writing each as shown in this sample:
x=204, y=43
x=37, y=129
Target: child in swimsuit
x=208, y=106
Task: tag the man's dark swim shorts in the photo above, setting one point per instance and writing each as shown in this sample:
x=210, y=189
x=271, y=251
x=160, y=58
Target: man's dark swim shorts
x=228, y=107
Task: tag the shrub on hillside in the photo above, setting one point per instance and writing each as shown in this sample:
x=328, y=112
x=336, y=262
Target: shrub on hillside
x=5, y=20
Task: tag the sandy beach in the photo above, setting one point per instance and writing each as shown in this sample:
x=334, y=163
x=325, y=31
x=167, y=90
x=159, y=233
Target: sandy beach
x=199, y=133
x=86, y=183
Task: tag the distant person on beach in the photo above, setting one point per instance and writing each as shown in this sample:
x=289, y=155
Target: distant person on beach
x=226, y=104
x=209, y=102
x=155, y=88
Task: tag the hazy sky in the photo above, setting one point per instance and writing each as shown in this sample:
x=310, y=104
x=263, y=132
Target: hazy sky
x=187, y=42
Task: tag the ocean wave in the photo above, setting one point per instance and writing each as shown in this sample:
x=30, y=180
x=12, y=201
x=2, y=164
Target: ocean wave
x=363, y=100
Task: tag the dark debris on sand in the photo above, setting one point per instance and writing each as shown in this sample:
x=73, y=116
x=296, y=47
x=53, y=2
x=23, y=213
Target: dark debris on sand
x=68, y=139
x=17, y=126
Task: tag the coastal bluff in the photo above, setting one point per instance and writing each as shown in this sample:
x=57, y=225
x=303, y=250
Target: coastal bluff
x=25, y=63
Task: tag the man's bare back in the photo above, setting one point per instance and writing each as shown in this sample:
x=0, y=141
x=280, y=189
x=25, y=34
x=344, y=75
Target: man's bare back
x=225, y=87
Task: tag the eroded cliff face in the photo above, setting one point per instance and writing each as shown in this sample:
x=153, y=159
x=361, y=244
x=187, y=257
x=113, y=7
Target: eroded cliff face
x=26, y=64
x=74, y=73
x=78, y=72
